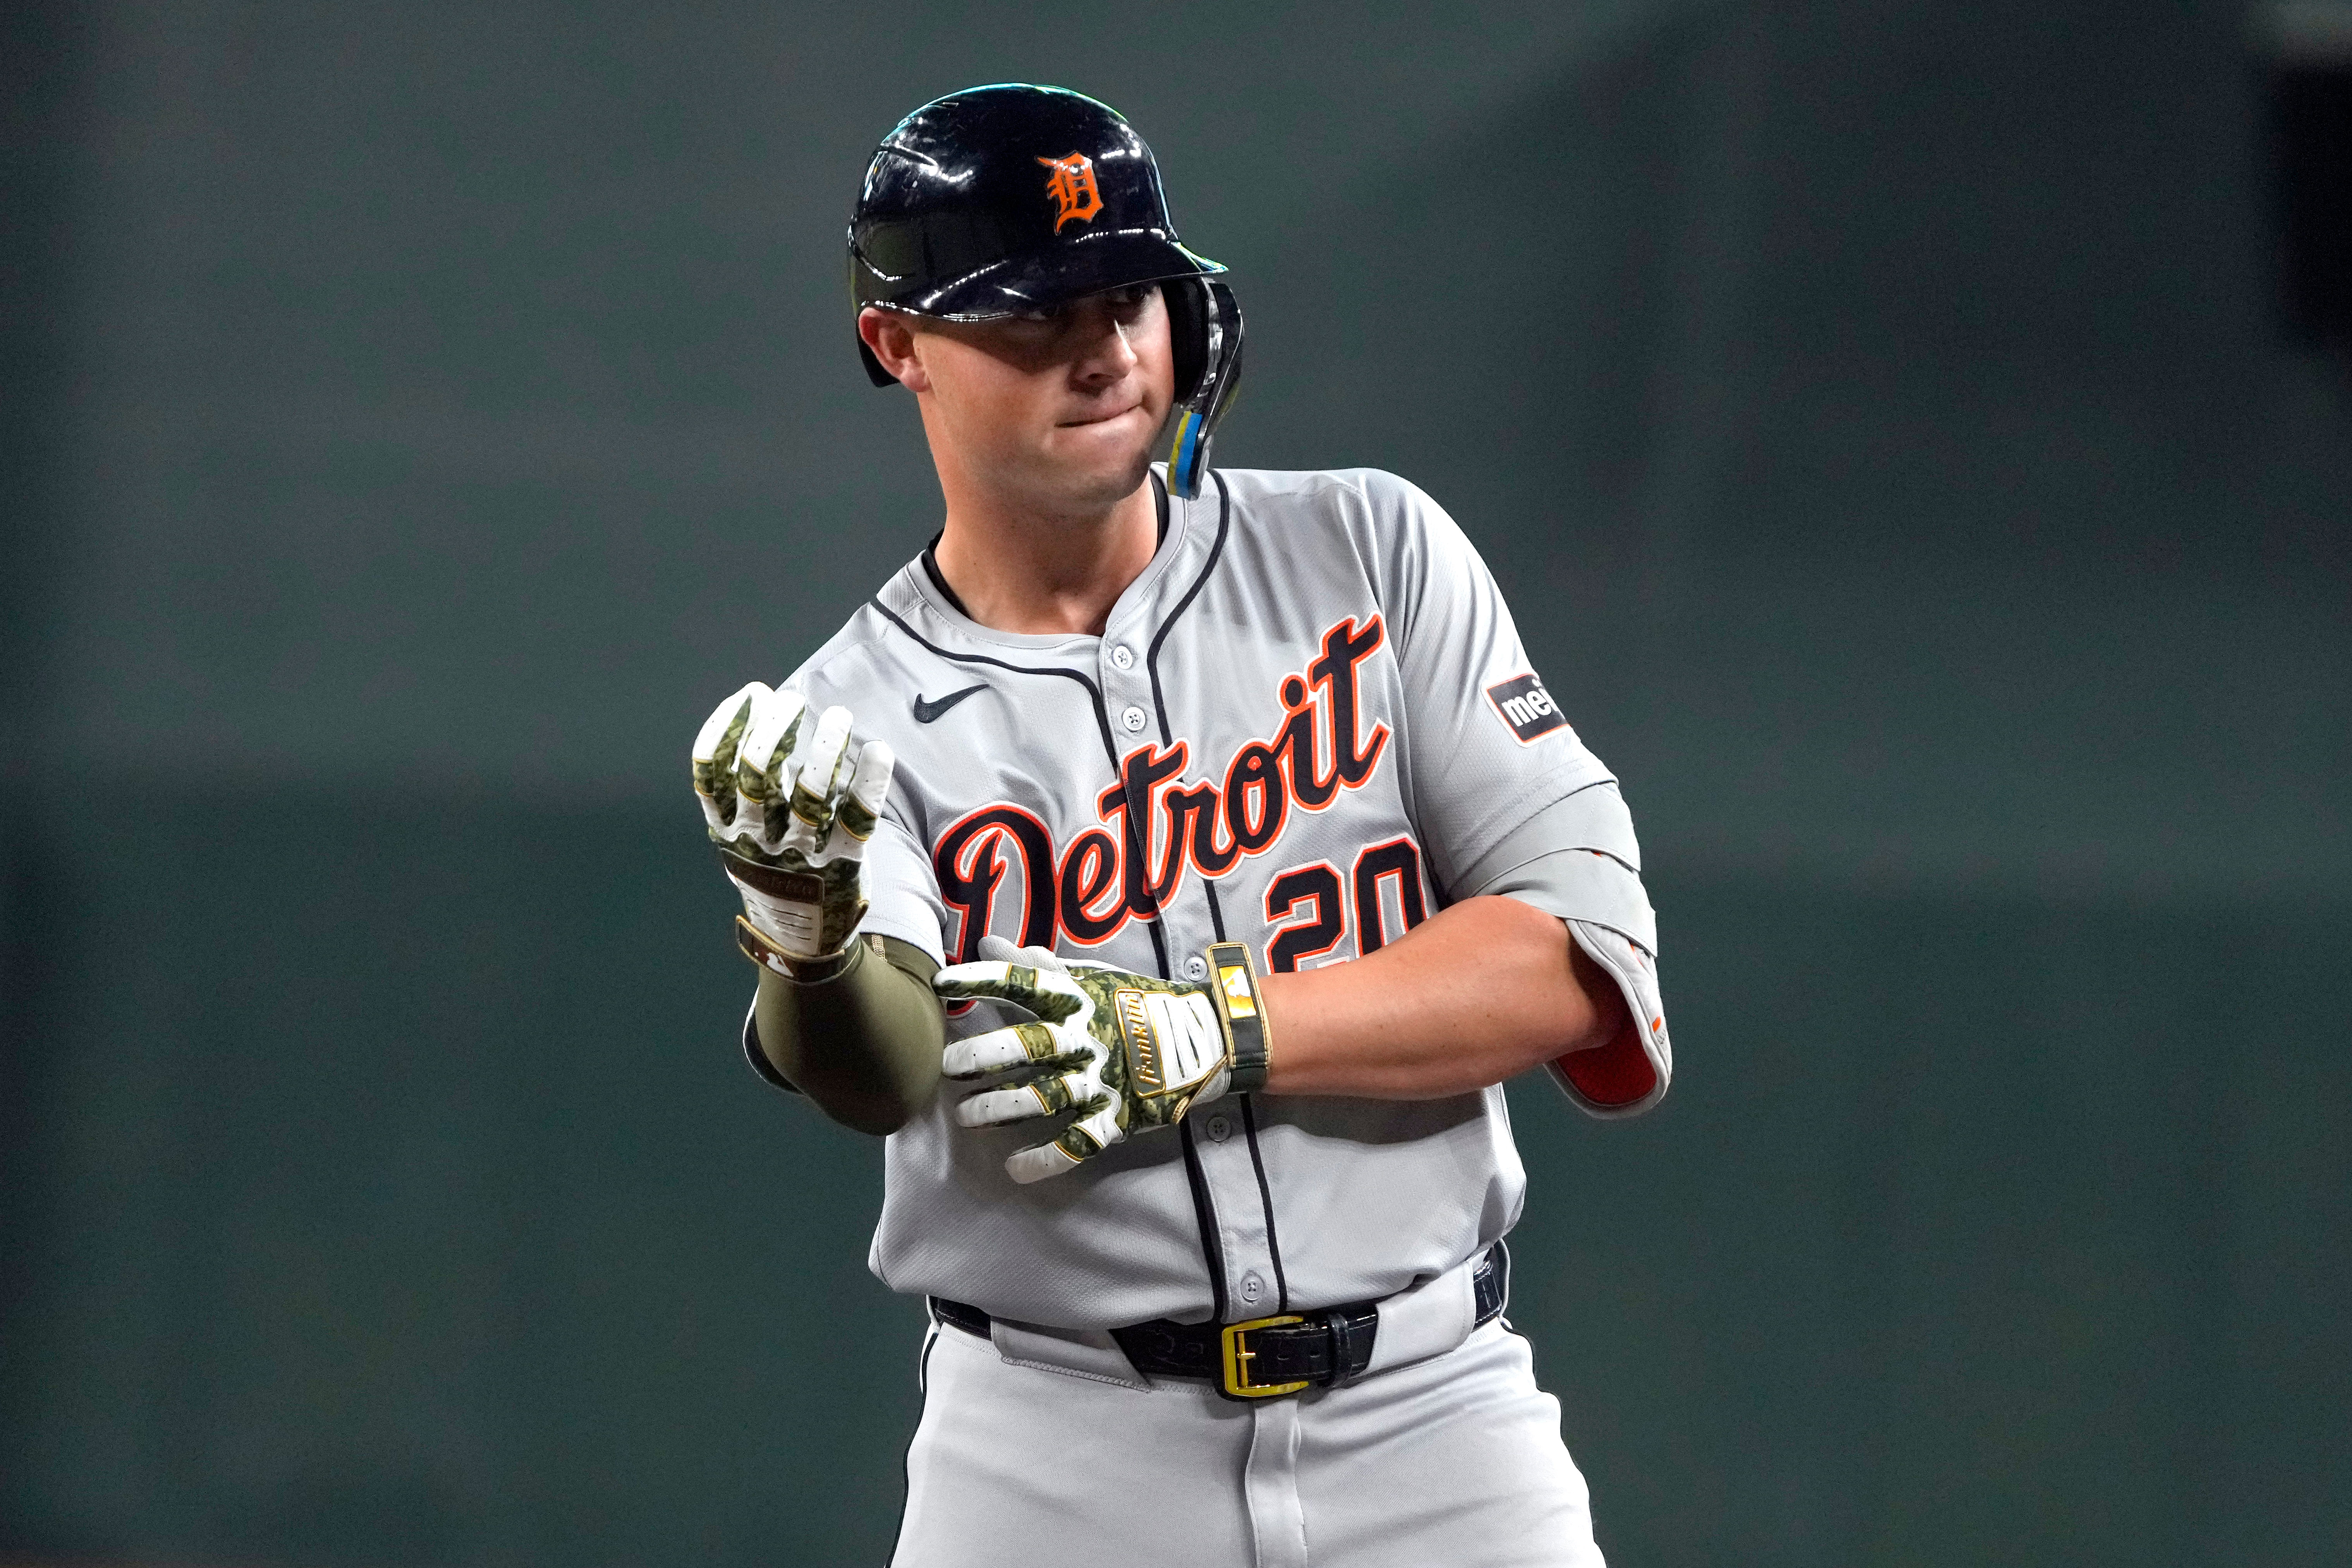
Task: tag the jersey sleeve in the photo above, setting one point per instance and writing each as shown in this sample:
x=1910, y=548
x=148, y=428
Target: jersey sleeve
x=1487, y=747
x=902, y=896
x=1577, y=859
x=1506, y=799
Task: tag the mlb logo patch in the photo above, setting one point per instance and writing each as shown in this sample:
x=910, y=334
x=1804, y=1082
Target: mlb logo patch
x=1522, y=703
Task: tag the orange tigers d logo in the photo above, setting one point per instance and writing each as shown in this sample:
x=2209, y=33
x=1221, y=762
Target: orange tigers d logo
x=1072, y=186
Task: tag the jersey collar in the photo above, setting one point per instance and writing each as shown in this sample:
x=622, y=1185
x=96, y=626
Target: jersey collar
x=929, y=584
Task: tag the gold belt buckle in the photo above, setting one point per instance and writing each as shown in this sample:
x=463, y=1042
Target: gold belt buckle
x=1238, y=1356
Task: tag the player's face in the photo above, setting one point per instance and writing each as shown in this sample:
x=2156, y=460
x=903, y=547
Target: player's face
x=1056, y=409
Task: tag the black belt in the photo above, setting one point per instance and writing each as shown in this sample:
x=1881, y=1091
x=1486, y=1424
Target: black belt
x=1266, y=1357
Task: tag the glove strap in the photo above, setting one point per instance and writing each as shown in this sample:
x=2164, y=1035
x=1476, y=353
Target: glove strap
x=761, y=949
x=1232, y=983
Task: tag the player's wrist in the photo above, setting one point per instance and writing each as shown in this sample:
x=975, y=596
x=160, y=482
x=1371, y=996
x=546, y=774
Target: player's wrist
x=765, y=950
x=1234, y=992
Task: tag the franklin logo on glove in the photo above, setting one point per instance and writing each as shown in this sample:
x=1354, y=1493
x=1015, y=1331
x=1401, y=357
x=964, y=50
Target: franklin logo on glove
x=1127, y=1052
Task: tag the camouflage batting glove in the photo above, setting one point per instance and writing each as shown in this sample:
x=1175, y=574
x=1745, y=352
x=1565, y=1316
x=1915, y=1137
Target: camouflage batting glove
x=1126, y=1052
x=790, y=803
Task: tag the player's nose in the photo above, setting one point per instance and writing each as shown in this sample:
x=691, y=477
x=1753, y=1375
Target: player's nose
x=1106, y=353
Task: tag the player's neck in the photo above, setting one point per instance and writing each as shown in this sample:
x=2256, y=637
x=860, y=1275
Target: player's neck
x=1020, y=570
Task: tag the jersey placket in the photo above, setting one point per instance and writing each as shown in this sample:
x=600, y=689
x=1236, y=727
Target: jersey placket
x=1238, y=1198
x=1231, y=1199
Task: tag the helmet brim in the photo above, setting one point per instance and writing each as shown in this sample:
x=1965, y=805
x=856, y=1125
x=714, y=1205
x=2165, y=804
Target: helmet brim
x=1115, y=259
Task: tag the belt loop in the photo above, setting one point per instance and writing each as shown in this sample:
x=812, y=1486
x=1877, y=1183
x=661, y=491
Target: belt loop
x=1335, y=1324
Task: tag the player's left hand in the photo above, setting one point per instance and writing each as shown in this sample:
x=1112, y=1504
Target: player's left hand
x=1124, y=1051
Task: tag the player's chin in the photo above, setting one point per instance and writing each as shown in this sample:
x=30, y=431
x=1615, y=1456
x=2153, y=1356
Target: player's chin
x=1109, y=454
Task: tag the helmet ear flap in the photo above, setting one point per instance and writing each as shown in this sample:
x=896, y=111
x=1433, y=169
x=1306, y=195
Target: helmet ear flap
x=1187, y=301
x=1205, y=338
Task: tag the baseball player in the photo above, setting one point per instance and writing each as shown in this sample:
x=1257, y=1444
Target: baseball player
x=1173, y=862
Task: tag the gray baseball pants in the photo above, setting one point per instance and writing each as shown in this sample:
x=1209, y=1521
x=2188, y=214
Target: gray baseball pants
x=1456, y=1460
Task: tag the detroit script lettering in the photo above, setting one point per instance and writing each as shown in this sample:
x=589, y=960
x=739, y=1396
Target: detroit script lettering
x=1153, y=827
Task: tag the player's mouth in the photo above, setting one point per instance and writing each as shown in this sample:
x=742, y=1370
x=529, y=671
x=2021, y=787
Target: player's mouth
x=1100, y=418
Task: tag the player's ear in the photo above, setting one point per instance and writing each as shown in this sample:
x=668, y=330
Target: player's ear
x=892, y=341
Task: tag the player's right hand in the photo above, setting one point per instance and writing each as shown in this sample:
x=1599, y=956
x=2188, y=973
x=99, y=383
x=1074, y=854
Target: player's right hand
x=790, y=802
x=1126, y=1052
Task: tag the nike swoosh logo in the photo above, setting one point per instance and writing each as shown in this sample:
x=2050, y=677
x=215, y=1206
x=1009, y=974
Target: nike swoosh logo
x=925, y=711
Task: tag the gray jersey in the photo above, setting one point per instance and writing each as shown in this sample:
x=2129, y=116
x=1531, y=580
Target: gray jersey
x=1309, y=724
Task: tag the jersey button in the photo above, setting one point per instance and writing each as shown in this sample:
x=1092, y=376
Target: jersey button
x=1196, y=968
x=1252, y=1289
x=1122, y=658
x=1134, y=719
x=1220, y=1127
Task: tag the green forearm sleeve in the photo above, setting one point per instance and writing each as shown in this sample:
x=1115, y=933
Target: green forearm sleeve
x=865, y=1046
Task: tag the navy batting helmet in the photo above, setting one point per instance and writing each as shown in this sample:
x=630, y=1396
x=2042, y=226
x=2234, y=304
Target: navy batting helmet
x=1007, y=198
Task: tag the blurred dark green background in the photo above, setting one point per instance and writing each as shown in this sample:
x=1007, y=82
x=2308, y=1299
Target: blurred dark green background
x=419, y=416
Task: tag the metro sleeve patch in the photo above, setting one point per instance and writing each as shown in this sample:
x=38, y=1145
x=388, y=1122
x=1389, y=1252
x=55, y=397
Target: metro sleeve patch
x=1525, y=708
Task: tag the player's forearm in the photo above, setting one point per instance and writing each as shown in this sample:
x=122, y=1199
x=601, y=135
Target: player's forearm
x=1479, y=994
x=865, y=1047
